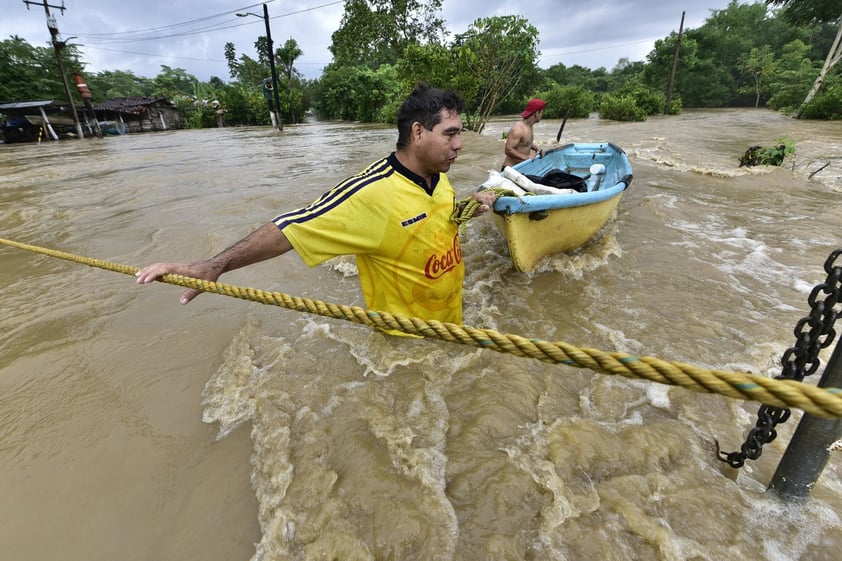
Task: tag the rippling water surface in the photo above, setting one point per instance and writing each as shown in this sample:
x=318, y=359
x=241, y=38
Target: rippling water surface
x=134, y=428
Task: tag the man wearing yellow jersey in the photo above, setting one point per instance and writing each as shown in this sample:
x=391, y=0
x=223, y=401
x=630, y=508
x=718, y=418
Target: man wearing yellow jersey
x=394, y=216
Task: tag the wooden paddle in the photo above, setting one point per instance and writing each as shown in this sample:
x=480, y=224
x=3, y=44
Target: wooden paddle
x=561, y=128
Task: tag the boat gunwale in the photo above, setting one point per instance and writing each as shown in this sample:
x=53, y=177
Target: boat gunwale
x=622, y=174
x=534, y=203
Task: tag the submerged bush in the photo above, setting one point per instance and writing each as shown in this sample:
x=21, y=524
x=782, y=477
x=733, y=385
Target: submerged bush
x=572, y=101
x=768, y=155
x=623, y=108
x=827, y=104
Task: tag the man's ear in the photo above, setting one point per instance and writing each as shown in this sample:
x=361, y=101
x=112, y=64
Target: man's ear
x=417, y=131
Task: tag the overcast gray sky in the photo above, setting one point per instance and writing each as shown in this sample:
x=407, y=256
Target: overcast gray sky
x=140, y=36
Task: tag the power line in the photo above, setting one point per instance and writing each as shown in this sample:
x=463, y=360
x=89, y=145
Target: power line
x=155, y=55
x=174, y=25
x=308, y=9
x=606, y=48
x=153, y=34
x=206, y=24
x=123, y=39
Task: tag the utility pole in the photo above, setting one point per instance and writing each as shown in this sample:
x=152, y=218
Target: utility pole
x=57, y=47
x=270, y=47
x=674, y=67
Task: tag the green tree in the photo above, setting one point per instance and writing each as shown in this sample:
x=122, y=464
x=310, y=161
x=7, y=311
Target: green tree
x=376, y=32
x=230, y=52
x=624, y=72
x=261, y=47
x=713, y=79
x=244, y=105
x=576, y=74
x=285, y=57
x=570, y=100
x=708, y=73
x=251, y=72
x=358, y=93
x=21, y=66
x=499, y=53
x=812, y=11
x=172, y=82
x=246, y=69
x=759, y=66
x=28, y=72
x=110, y=84
x=594, y=80
x=795, y=72
x=650, y=101
x=434, y=64
x=688, y=84
x=828, y=102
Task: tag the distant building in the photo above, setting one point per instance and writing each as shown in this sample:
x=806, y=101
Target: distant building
x=32, y=121
x=140, y=114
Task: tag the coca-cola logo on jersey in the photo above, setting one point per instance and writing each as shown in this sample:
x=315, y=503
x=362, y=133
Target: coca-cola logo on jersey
x=439, y=265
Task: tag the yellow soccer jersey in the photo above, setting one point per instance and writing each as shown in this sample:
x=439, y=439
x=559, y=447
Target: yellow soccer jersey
x=407, y=249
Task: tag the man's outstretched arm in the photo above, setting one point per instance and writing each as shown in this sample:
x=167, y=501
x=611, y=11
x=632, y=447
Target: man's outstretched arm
x=264, y=243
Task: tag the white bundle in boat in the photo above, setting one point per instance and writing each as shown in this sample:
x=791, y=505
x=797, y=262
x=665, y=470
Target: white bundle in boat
x=528, y=185
x=496, y=180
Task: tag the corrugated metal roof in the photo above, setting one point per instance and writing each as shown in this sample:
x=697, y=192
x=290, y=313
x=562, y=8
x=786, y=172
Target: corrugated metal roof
x=25, y=104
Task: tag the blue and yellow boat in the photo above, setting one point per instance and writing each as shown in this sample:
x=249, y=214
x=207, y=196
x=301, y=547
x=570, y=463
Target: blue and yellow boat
x=561, y=199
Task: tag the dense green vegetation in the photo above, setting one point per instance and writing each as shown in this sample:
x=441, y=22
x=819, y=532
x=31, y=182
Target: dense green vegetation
x=780, y=54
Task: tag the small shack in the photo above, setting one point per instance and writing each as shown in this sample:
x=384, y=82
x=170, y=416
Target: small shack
x=32, y=121
x=140, y=114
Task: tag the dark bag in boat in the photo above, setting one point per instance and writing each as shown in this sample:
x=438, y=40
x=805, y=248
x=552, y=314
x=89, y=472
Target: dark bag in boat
x=560, y=180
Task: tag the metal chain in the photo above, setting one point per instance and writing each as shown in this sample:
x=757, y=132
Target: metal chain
x=812, y=334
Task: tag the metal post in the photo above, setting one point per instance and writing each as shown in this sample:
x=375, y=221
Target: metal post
x=809, y=449
x=272, y=65
x=668, y=99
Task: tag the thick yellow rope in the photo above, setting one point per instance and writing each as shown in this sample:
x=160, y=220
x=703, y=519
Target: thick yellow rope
x=465, y=209
x=821, y=402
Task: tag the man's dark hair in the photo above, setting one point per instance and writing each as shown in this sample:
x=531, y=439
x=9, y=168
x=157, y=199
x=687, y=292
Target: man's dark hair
x=424, y=105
